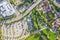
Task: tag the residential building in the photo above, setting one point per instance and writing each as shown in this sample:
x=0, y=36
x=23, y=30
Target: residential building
x=58, y=1
x=6, y=9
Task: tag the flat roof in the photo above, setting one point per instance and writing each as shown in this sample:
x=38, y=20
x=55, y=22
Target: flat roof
x=1, y=0
x=6, y=9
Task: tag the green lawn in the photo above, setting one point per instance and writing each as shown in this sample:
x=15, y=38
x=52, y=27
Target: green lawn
x=50, y=34
x=39, y=36
x=33, y=37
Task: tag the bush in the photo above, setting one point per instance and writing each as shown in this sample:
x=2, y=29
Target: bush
x=11, y=1
x=21, y=4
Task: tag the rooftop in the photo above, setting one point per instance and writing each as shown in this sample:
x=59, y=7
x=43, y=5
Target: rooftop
x=6, y=9
x=58, y=1
x=1, y=0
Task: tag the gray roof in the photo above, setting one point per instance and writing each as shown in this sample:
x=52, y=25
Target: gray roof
x=1, y=0
x=6, y=9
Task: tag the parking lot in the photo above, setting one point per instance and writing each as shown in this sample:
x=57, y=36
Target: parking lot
x=15, y=30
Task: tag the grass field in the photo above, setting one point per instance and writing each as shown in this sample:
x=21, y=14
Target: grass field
x=50, y=34
x=34, y=37
x=38, y=36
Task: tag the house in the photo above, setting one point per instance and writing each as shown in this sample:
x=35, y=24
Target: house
x=58, y=14
x=46, y=8
x=6, y=9
x=58, y=1
x=55, y=25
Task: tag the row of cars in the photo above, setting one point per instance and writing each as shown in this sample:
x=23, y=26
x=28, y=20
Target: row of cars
x=15, y=30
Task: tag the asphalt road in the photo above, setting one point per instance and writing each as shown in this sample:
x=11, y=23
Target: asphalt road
x=27, y=11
